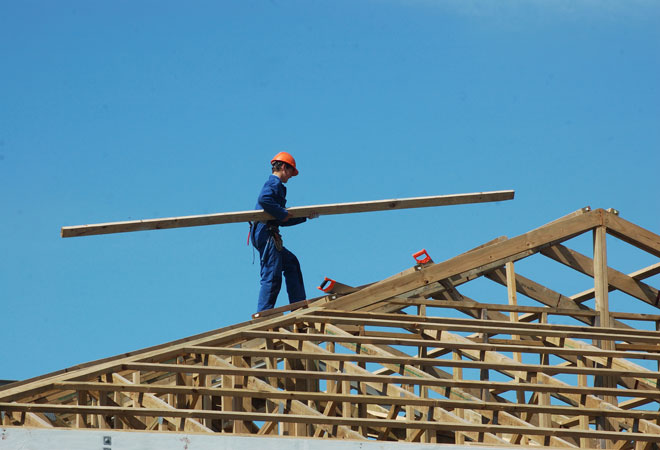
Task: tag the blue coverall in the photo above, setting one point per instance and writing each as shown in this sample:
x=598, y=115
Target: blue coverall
x=272, y=199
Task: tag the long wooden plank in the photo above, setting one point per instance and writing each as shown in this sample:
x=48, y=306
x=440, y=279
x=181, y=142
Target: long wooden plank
x=638, y=275
x=420, y=342
x=632, y=234
x=454, y=304
x=299, y=211
x=614, y=278
x=314, y=375
x=653, y=395
x=467, y=324
x=333, y=421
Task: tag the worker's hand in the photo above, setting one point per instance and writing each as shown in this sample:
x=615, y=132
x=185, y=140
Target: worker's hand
x=288, y=216
x=313, y=215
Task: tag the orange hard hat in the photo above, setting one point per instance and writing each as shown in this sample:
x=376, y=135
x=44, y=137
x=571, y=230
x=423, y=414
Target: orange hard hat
x=287, y=158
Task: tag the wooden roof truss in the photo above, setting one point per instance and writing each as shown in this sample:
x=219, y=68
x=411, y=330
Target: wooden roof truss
x=409, y=358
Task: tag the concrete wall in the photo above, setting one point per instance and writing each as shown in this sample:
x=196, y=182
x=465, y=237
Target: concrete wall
x=21, y=438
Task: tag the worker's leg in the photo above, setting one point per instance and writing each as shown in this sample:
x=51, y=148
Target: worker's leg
x=293, y=276
x=271, y=275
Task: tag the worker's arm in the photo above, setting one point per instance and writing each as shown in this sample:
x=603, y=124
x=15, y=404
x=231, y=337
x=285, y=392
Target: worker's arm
x=289, y=221
x=270, y=199
x=312, y=215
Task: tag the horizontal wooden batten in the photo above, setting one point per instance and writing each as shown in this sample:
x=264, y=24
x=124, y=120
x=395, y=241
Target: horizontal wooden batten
x=445, y=383
x=325, y=420
x=457, y=304
x=401, y=401
x=413, y=341
x=412, y=380
x=419, y=342
x=493, y=328
x=299, y=211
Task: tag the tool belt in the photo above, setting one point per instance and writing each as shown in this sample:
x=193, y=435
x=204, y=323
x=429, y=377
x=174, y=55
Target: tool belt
x=274, y=231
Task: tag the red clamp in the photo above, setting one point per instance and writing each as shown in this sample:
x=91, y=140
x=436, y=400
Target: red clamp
x=418, y=256
x=330, y=287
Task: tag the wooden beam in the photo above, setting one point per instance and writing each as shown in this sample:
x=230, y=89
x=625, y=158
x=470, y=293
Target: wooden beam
x=417, y=301
x=645, y=395
x=613, y=278
x=300, y=211
x=314, y=375
x=463, y=304
x=334, y=421
x=534, y=290
x=600, y=280
x=491, y=327
x=472, y=325
x=632, y=234
x=519, y=346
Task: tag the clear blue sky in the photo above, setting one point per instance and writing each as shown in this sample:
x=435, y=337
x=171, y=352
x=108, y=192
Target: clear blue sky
x=125, y=110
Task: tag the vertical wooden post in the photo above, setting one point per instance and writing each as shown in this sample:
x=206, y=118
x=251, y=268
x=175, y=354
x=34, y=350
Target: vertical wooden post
x=657, y=328
x=603, y=318
x=422, y=352
x=432, y=434
x=207, y=400
x=103, y=401
x=484, y=373
x=346, y=407
x=584, y=420
x=226, y=403
x=136, y=395
x=410, y=413
x=543, y=398
x=512, y=293
x=117, y=423
x=271, y=364
x=331, y=384
x=545, y=420
x=600, y=278
x=81, y=419
x=180, y=401
x=457, y=374
x=311, y=385
x=513, y=301
x=240, y=404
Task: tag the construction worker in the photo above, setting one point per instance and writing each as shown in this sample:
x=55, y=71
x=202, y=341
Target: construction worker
x=275, y=258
